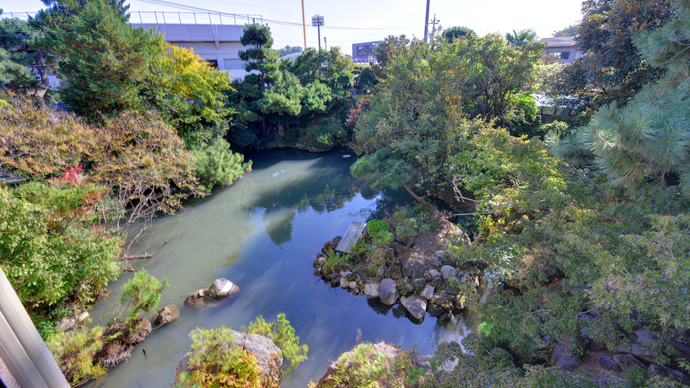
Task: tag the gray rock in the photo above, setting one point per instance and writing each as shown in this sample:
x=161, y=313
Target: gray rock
x=371, y=290
x=388, y=291
x=224, y=288
x=396, y=272
x=344, y=283
x=347, y=156
x=448, y=272
x=427, y=292
x=564, y=358
x=352, y=285
x=413, y=270
x=166, y=315
x=380, y=255
x=381, y=272
x=586, y=318
x=83, y=317
x=433, y=261
x=683, y=351
x=592, y=345
x=434, y=273
x=459, y=303
x=610, y=381
x=645, y=337
x=67, y=324
x=415, y=304
x=677, y=375
x=627, y=361
x=419, y=284
x=347, y=275
x=607, y=363
x=397, y=247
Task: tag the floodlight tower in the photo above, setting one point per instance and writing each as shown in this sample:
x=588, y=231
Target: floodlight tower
x=317, y=21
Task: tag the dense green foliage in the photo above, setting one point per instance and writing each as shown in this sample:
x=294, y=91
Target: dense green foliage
x=452, y=33
x=74, y=351
x=49, y=250
x=15, y=55
x=141, y=293
x=216, y=363
x=216, y=165
x=283, y=335
x=611, y=68
x=283, y=102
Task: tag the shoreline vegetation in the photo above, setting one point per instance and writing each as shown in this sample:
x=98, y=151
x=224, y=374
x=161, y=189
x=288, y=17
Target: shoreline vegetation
x=578, y=228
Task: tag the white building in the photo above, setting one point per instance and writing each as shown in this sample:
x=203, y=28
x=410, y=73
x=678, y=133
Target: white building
x=217, y=43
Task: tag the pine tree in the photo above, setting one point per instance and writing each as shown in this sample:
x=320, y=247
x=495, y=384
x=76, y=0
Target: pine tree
x=16, y=57
x=649, y=139
x=105, y=62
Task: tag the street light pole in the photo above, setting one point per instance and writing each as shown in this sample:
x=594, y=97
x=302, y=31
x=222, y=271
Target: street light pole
x=304, y=27
x=317, y=21
x=426, y=21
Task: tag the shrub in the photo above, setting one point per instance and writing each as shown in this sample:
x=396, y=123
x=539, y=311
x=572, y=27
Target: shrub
x=215, y=363
x=283, y=335
x=49, y=249
x=378, y=231
x=141, y=293
x=74, y=352
x=216, y=165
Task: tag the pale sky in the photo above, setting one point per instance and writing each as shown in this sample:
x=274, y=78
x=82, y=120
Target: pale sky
x=353, y=21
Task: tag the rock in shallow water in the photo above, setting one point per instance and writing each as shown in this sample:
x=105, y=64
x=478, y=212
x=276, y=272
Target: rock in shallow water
x=371, y=290
x=415, y=305
x=166, y=315
x=224, y=288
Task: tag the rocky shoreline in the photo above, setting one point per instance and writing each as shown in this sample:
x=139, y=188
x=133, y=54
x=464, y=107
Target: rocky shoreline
x=414, y=271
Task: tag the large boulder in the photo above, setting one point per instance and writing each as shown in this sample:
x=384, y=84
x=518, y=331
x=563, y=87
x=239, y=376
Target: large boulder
x=564, y=358
x=627, y=361
x=415, y=305
x=388, y=291
x=607, y=363
x=166, y=315
x=677, y=375
x=427, y=293
x=268, y=356
x=119, y=338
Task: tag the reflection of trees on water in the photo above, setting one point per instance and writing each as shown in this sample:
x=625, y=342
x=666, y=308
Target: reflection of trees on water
x=325, y=187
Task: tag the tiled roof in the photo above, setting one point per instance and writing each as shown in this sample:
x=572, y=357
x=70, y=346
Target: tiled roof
x=568, y=41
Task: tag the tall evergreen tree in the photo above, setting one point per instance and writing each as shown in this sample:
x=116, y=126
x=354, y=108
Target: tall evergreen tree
x=649, y=139
x=16, y=57
x=105, y=62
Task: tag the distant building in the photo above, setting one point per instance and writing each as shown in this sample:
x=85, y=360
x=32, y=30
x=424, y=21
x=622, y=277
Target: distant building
x=364, y=52
x=216, y=43
x=566, y=47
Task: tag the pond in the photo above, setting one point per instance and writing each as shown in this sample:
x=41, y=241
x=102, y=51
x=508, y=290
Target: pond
x=263, y=233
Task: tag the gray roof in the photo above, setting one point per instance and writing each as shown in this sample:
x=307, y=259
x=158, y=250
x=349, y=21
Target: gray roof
x=568, y=41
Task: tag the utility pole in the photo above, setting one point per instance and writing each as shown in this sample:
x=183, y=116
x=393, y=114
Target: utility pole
x=433, y=22
x=426, y=21
x=325, y=43
x=304, y=27
x=317, y=21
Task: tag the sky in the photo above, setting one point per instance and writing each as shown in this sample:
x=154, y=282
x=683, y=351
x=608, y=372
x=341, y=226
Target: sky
x=353, y=21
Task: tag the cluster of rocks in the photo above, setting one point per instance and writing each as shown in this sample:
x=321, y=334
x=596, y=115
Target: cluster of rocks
x=642, y=354
x=419, y=283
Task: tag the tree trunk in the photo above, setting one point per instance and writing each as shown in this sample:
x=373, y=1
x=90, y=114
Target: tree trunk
x=45, y=83
x=417, y=197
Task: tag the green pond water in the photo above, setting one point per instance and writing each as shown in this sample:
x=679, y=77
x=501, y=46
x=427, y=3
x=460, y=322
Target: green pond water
x=263, y=233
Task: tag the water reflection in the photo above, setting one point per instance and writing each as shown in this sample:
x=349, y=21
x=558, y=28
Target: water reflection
x=263, y=233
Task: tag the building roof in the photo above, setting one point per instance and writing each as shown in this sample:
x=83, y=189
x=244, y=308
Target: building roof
x=568, y=41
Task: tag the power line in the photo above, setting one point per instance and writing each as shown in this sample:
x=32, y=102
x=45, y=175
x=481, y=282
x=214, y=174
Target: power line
x=279, y=22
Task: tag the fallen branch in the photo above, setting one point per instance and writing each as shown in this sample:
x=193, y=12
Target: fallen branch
x=149, y=255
